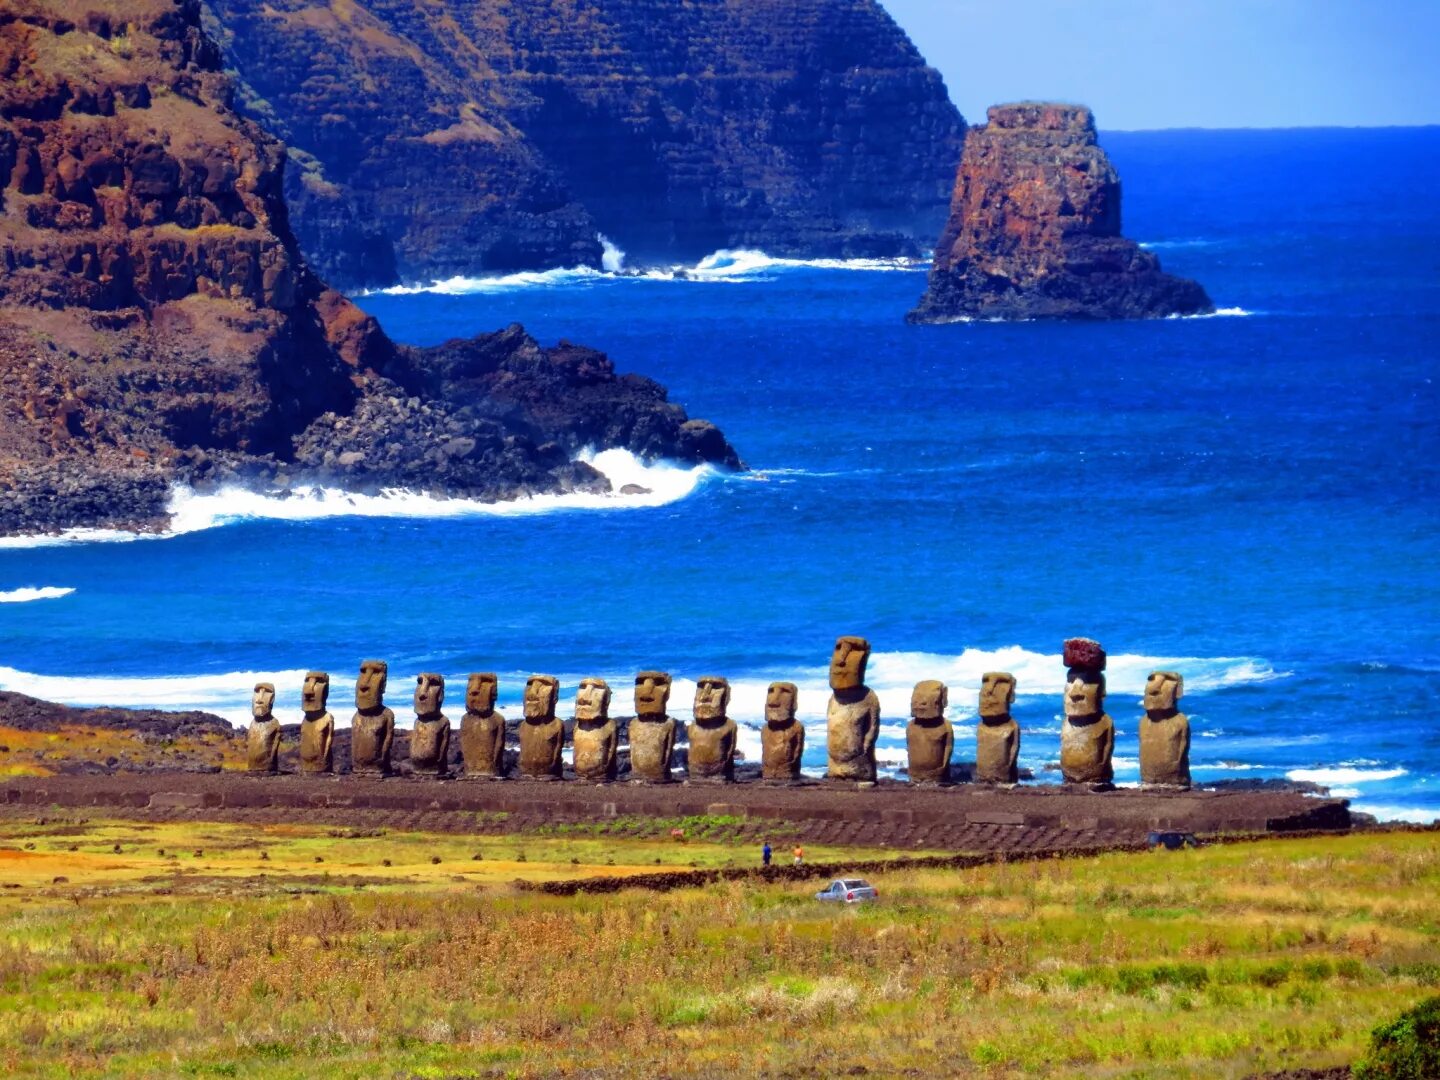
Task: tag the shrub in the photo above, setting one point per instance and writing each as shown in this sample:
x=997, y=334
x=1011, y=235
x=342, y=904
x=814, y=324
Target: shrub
x=1406, y=1048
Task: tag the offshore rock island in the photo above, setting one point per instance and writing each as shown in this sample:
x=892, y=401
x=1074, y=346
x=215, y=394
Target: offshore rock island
x=158, y=323
x=1034, y=230
x=466, y=136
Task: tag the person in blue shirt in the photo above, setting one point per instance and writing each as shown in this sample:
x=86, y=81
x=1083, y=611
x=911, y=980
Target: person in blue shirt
x=765, y=853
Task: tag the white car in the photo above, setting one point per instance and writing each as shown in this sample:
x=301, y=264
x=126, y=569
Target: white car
x=848, y=891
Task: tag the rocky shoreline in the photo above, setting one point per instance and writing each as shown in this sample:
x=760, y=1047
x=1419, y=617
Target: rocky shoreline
x=159, y=326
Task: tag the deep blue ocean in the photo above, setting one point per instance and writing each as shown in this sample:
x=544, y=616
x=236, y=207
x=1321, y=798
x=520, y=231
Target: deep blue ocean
x=1252, y=498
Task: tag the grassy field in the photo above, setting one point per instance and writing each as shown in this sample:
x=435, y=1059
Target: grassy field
x=1217, y=962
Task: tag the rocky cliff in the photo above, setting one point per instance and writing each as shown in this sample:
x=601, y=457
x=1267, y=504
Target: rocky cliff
x=1034, y=230
x=157, y=322
x=446, y=137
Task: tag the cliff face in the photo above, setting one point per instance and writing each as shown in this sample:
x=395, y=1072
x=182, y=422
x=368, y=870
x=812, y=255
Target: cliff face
x=157, y=322
x=1034, y=230
x=455, y=136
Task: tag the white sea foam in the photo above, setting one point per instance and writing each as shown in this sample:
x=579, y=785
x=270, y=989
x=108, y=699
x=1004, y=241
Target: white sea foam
x=1413, y=815
x=1218, y=313
x=1170, y=245
x=613, y=259
x=653, y=484
x=1344, y=774
x=24, y=596
x=720, y=267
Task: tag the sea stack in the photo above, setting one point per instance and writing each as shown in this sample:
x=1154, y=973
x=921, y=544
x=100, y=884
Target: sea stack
x=1034, y=230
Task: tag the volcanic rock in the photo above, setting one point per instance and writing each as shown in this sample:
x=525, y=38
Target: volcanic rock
x=1034, y=230
x=158, y=324
x=463, y=136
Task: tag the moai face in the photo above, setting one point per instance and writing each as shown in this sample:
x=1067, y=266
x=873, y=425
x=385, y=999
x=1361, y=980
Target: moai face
x=429, y=694
x=1163, y=690
x=480, y=693
x=652, y=694
x=542, y=693
x=929, y=699
x=316, y=693
x=780, y=702
x=1084, y=694
x=997, y=693
x=370, y=689
x=263, y=702
x=712, y=697
x=847, y=663
x=592, y=700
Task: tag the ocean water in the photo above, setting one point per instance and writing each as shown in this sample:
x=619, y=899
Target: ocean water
x=1251, y=498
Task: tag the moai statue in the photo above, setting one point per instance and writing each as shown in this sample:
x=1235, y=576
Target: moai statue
x=542, y=734
x=317, y=728
x=262, y=741
x=782, y=739
x=853, y=717
x=482, y=730
x=430, y=740
x=596, y=737
x=1087, y=738
x=713, y=733
x=930, y=737
x=1164, y=733
x=372, y=729
x=997, y=737
x=652, y=731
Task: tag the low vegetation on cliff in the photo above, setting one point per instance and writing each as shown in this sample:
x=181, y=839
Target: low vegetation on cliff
x=334, y=954
x=448, y=137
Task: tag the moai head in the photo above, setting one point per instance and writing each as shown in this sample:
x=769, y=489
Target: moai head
x=997, y=693
x=370, y=689
x=316, y=693
x=480, y=693
x=712, y=698
x=652, y=694
x=429, y=694
x=1163, y=690
x=592, y=700
x=929, y=699
x=263, y=701
x=780, y=702
x=1084, y=693
x=542, y=694
x=847, y=663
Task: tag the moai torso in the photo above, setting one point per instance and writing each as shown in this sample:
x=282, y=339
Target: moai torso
x=1164, y=733
x=542, y=734
x=317, y=729
x=930, y=738
x=852, y=720
x=1087, y=738
x=482, y=730
x=372, y=729
x=652, y=732
x=262, y=740
x=430, y=738
x=713, y=734
x=782, y=739
x=596, y=738
x=997, y=736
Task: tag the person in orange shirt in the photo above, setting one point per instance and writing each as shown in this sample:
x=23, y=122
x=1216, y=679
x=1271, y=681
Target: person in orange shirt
x=799, y=854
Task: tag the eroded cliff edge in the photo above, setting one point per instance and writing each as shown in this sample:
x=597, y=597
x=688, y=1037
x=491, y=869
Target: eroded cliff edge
x=1034, y=230
x=461, y=136
x=158, y=324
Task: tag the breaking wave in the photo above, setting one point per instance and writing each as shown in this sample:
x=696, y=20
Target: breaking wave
x=24, y=596
x=1344, y=774
x=720, y=267
x=650, y=485
x=1218, y=313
